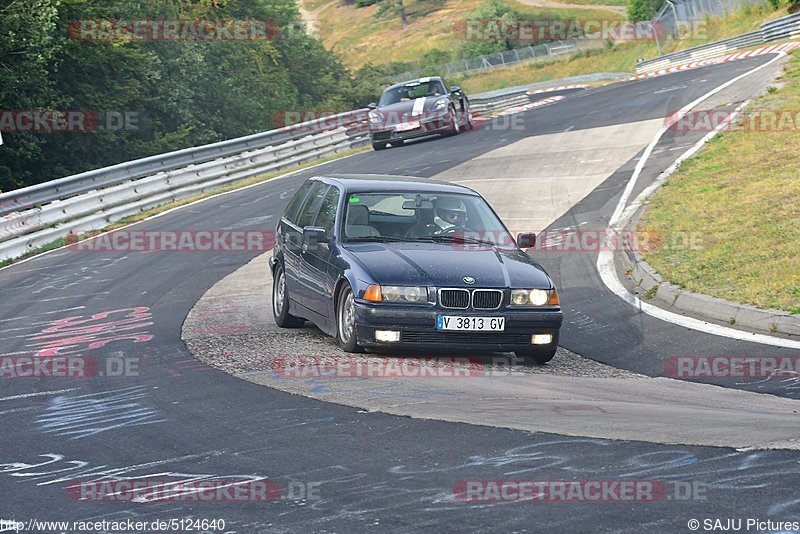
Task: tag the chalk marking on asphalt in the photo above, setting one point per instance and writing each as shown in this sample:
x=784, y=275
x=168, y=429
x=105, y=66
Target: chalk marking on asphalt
x=38, y=314
x=38, y=394
x=16, y=410
x=605, y=260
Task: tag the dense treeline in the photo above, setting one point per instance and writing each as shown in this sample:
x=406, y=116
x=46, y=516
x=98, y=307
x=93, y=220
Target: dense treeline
x=154, y=95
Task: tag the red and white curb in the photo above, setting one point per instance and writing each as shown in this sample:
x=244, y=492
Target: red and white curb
x=559, y=88
x=786, y=47
x=527, y=107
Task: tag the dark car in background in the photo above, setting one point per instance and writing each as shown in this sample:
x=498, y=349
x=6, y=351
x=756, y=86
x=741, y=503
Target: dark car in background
x=415, y=109
x=385, y=262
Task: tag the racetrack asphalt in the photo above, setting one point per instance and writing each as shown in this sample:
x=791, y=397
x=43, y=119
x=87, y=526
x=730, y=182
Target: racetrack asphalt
x=178, y=419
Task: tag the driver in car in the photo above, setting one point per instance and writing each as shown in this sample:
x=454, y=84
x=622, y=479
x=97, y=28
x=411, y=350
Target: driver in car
x=450, y=213
x=433, y=89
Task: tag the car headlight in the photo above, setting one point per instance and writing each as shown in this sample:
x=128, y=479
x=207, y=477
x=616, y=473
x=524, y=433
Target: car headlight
x=412, y=294
x=440, y=104
x=374, y=117
x=534, y=297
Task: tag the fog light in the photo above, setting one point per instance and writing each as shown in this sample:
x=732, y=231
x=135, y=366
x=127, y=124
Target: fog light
x=542, y=339
x=387, y=336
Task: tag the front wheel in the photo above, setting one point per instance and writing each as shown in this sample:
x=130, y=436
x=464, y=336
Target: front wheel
x=378, y=146
x=539, y=354
x=280, y=302
x=455, y=128
x=346, y=331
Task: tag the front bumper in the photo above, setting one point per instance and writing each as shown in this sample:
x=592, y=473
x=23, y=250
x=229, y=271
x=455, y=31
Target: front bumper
x=428, y=126
x=417, y=326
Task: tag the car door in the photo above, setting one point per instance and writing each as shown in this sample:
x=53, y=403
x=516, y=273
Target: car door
x=307, y=215
x=316, y=257
x=291, y=236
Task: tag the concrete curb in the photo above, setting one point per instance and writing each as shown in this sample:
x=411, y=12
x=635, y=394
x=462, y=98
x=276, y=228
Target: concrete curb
x=676, y=299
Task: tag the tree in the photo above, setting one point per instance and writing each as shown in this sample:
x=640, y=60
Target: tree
x=27, y=54
x=641, y=10
x=183, y=92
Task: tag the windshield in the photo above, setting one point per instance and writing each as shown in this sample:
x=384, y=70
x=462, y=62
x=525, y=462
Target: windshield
x=411, y=91
x=419, y=216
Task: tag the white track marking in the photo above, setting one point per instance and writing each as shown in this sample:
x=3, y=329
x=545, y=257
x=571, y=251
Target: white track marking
x=605, y=260
x=39, y=394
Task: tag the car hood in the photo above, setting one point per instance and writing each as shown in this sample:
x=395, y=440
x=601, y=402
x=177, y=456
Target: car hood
x=419, y=108
x=446, y=265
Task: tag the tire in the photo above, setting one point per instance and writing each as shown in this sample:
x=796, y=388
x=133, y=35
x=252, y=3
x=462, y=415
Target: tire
x=346, y=328
x=536, y=356
x=455, y=129
x=539, y=355
x=398, y=143
x=280, y=302
x=378, y=146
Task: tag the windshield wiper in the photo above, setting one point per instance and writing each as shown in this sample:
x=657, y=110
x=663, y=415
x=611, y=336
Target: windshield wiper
x=379, y=239
x=454, y=238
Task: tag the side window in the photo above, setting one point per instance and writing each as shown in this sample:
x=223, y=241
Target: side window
x=312, y=203
x=297, y=200
x=327, y=213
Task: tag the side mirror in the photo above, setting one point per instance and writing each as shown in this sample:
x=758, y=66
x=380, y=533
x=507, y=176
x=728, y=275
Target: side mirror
x=313, y=236
x=455, y=89
x=526, y=240
x=372, y=105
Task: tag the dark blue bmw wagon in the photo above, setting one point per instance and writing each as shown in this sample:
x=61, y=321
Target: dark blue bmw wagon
x=386, y=262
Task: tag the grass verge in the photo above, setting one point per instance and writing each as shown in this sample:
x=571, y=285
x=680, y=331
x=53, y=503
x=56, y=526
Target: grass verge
x=741, y=194
x=360, y=38
x=146, y=214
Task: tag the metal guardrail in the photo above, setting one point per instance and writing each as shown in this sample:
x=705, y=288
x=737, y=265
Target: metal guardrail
x=92, y=200
x=787, y=27
x=42, y=213
x=132, y=170
x=783, y=28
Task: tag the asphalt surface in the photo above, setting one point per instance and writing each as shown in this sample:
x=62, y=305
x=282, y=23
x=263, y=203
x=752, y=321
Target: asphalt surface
x=175, y=419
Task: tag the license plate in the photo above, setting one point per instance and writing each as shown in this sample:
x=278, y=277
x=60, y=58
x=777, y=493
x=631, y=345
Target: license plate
x=470, y=324
x=405, y=126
